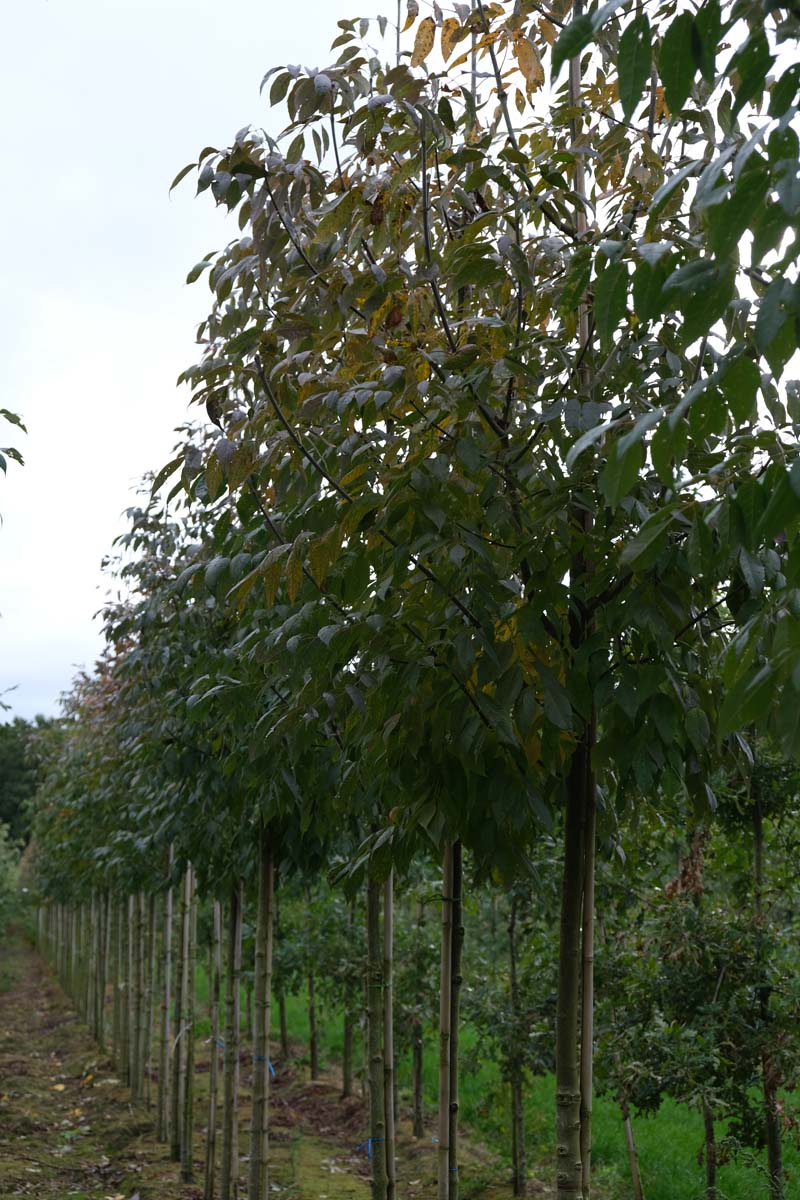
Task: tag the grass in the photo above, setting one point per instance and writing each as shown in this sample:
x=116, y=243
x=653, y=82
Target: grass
x=668, y=1143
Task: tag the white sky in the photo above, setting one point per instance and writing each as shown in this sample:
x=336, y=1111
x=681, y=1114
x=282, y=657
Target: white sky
x=101, y=103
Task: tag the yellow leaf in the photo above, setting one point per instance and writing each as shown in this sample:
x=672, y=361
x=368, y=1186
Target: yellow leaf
x=450, y=30
x=529, y=62
x=423, y=43
x=412, y=12
x=548, y=30
x=59, y=1087
x=294, y=575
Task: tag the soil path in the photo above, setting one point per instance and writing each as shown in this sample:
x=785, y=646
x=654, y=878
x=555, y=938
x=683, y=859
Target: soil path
x=68, y=1129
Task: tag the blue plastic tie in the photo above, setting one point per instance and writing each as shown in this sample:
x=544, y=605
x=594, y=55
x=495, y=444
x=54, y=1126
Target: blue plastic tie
x=368, y=1144
x=258, y=1058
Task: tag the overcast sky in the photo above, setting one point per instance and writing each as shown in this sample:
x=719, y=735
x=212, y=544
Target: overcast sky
x=102, y=102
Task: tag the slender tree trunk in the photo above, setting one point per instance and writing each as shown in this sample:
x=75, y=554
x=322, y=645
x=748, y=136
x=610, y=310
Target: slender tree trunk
x=215, y=985
x=187, y=1138
x=377, y=1124
x=130, y=943
x=259, y=1130
x=388, y=1034
x=633, y=1157
x=457, y=943
x=587, y=1004
x=347, y=1032
x=520, y=1174
x=312, y=1013
x=230, y=1130
x=570, y=1105
x=149, y=998
x=162, y=1120
x=416, y=1042
x=138, y=1057
x=711, y=1152
x=770, y=1077
x=347, y=1050
x=445, y=1012
x=178, y=1042
x=568, y=1091
x=284, y=1024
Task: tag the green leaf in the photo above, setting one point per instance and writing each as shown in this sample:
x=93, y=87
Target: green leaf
x=698, y=729
x=649, y=534
x=752, y=63
x=750, y=699
x=708, y=27
x=740, y=384
x=610, y=300
x=165, y=472
x=672, y=184
x=621, y=472
x=676, y=62
x=184, y=171
x=572, y=39
x=633, y=63
x=753, y=571
x=648, y=289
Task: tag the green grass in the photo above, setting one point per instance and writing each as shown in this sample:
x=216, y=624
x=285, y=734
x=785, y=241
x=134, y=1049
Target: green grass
x=668, y=1143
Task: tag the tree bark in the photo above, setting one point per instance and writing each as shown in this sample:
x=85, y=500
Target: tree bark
x=284, y=1024
x=213, y=1082
x=187, y=1131
x=633, y=1157
x=569, y=1184
x=178, y=1043
x=445, y=1010
x=388, y=1034
x=377, y=1125
x=587, y=989
x=230, y=1130
x=162, y=1117
x=418, y=1127
x=769, y=1074
x=150, y=999
x=456, y=948
x=138, y=1056
x=259, y=1134
x=520, y=1174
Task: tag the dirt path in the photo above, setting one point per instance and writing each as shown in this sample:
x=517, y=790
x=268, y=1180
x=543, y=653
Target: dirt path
x=68, y=1130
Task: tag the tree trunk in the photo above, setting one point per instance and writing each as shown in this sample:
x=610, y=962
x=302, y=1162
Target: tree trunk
x=130, y=990
x=445, y=1010
x=520, y=1174
x=230, y=1129
x=137, y=1058
x=347, y=1032
x=587, y=1002
x=259, y=1133
x=213, y=1081
x=187, y=1139
x=569, y=1183
x=633, y=1157
x=388, y=1034
x=149, y=999
x=457, y=943
x=376, y=1143
x=570, y=1171
x=772, y=1118
x=312, y=1028
x=178, y=1043
x=416, y=1042
x=711, y=1152
x=284, y=1024
x=162, y=1118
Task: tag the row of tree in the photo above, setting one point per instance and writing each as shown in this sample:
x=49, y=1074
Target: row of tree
x=493, y=534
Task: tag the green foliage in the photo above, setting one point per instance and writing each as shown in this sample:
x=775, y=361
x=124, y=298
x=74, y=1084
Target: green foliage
x=9, y=877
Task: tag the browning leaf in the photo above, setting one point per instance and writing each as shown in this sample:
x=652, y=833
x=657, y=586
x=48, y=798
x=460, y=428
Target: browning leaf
x=529, y=62
x=423, y=43
x=450, y=30
x=412, y=12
